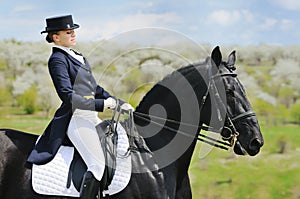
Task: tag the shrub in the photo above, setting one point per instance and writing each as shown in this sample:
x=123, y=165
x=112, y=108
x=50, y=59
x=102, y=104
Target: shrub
x=6, y=98
x=28, y=100
x=295, y=112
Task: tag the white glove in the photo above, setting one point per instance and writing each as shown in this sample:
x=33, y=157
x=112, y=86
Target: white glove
x=110, y=103
x=127, y=107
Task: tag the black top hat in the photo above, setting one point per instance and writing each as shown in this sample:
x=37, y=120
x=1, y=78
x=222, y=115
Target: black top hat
x=60, y=23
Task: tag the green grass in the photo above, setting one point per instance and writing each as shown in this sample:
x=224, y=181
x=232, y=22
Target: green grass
x=267, y=175
x=220, y=174
x=15, y=118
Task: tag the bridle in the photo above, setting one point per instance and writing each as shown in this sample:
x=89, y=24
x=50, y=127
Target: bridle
x=228, y=139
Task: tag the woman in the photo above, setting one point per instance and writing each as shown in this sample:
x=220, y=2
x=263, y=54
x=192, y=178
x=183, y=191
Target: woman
x=81, y=97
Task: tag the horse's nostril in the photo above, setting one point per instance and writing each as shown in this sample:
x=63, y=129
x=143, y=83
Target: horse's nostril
x=255, y=144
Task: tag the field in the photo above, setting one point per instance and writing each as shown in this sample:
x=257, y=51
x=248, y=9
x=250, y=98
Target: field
x=16, y=119
x=274, y=173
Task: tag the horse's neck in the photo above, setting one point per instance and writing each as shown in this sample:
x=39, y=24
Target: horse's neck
x=176, y=99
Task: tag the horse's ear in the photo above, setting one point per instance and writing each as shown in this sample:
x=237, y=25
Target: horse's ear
x=231, y=59
x=216, y=56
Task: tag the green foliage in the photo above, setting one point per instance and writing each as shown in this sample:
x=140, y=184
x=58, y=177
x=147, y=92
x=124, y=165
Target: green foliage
x=273, y=70
x=269, y=114
x=133, y=80
x=5, y=96
x=285, y=95
x=3, y=64
x=264, y=109
x=28, y=100
x=295, y=112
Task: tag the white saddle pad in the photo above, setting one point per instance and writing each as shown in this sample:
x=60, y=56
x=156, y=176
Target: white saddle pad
x=51, y=178
x=123, y=164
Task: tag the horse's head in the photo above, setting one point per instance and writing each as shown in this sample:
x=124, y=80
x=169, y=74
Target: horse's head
x=239, y=114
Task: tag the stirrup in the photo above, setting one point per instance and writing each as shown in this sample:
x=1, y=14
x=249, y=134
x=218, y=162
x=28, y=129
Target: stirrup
x=90, y=187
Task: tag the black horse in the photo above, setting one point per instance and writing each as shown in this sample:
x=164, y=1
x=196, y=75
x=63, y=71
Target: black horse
x=200, y=96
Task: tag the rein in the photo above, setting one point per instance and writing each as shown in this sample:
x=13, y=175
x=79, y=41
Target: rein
x=230, y=140
x=201, y=137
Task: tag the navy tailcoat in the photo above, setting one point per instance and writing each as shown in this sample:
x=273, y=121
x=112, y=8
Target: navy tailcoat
x=74, y=84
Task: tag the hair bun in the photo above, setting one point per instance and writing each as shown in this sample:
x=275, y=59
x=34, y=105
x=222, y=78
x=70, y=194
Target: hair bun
x=48, y=39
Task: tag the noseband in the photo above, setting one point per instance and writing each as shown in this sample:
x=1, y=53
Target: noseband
x=228, y=139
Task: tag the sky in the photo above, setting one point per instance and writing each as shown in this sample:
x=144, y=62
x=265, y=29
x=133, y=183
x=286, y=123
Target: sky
x=216, y=22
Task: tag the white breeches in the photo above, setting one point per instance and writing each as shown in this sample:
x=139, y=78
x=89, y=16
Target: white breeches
x=83, y=135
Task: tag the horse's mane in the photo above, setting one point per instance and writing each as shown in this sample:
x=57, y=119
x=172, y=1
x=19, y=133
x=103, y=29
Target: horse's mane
x=179, y=73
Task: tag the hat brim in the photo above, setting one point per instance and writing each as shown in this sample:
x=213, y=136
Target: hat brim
x=75, y=26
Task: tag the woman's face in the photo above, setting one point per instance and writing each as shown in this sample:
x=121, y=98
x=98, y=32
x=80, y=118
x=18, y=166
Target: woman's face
x=65, y=38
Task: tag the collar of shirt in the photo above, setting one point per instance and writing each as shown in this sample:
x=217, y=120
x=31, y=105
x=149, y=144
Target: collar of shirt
x=72, y=53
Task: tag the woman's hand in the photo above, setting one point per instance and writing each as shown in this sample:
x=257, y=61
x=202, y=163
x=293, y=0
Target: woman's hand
x=110, y=103
x=127, y=107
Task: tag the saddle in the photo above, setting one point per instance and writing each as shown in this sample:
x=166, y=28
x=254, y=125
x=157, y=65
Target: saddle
x=63, y=175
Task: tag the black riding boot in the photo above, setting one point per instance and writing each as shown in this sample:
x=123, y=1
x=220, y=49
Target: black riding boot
x=89, y=187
